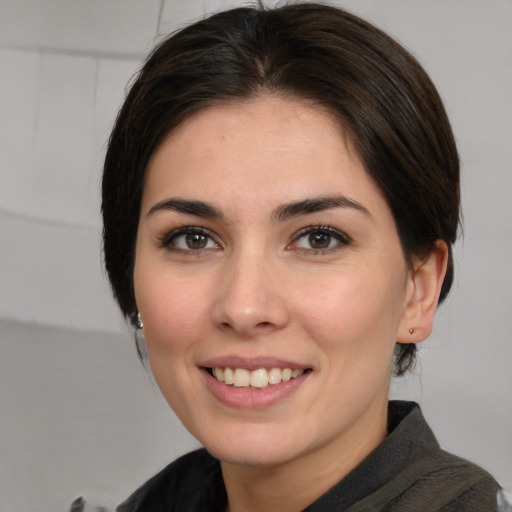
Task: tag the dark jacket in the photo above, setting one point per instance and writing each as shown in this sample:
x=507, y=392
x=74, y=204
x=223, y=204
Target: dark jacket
x=407, y=472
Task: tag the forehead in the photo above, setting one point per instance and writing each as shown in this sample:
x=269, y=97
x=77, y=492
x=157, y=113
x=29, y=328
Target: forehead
x=274, y=147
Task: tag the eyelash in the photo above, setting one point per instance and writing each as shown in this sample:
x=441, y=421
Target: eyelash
x=169, y=239
x=341, y=238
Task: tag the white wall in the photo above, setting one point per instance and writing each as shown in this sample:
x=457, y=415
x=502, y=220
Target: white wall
x=78, y=414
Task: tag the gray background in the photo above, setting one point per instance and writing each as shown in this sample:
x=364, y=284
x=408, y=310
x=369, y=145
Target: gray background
x=78, y=413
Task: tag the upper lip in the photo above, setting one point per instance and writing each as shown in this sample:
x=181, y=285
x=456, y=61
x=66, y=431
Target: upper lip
x=251, y=363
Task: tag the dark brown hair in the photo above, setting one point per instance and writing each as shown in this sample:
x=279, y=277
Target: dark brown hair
x=378, y=91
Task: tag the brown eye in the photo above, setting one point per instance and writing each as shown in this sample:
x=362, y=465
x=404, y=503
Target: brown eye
x=189, y=239
x=196, y=240
x=319, y=240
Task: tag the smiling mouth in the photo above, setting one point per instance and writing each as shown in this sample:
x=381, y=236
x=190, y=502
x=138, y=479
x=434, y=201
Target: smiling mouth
x=258, y=379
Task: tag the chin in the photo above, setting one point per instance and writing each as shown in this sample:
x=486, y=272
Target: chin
x=257, y=446
x=253, y=456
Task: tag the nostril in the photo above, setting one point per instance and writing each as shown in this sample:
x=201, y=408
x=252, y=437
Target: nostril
x=246, y=317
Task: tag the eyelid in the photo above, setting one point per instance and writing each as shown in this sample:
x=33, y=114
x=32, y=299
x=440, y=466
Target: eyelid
x=320, y=228
x=166, y=240
x=340, y=236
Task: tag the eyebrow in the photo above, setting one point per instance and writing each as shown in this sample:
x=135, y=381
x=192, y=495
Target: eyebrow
x=280, y=214
x=198, y=208
x=316, y=204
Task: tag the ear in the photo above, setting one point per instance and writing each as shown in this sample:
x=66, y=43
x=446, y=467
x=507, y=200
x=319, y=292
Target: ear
x=423, y=289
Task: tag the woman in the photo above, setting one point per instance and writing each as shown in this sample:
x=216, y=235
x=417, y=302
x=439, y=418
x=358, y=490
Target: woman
x=280, y=200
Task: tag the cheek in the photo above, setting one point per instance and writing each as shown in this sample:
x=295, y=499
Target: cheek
x=173, y=313
x=357, y=314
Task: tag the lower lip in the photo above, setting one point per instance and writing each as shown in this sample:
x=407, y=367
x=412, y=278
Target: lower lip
x=253, y=398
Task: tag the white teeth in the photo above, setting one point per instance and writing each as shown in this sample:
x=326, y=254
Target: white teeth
x=274, y=376
x=287, y=374
x=218, y=374
x=242, y=378
x=229, y=376
x=260, y=378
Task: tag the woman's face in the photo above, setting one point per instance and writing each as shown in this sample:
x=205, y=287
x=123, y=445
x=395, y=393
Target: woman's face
x=264, y=247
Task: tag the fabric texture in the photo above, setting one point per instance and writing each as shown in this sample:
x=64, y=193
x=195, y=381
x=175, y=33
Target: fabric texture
x=407, y=472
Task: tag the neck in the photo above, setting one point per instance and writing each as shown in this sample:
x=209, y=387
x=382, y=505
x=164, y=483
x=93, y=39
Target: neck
x=293, y=485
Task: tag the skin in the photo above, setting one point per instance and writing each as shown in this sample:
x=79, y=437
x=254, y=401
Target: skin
x=258, y=288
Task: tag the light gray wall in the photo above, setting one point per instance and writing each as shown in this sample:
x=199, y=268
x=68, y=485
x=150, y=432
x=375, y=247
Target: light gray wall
x=78, y=414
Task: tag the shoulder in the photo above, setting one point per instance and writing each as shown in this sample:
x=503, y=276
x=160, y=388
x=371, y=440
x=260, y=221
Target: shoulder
x=446, y=483
x=410, y=472
x=190, y=478
x=434, y=480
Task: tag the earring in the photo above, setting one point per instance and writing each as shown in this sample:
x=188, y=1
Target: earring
x=139, y=324
x=411, y=331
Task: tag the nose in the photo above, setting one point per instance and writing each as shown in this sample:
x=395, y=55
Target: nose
x=250, y=299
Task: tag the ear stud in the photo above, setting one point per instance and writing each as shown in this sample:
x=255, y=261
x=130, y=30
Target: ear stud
x=411, y=331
